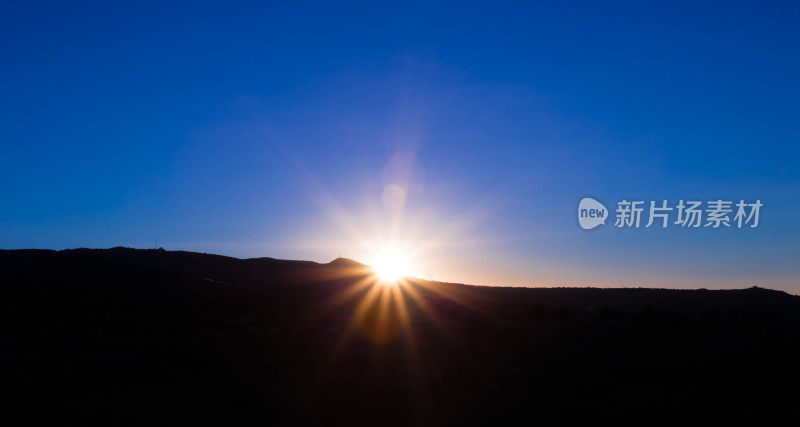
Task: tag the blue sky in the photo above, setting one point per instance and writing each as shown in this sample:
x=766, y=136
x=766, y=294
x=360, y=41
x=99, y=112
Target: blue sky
x=257, y=129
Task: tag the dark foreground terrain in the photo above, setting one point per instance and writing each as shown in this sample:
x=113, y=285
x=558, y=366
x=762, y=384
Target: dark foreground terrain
x=125, y=336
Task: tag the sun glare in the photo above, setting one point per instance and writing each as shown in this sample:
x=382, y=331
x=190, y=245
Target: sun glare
x=390, y=266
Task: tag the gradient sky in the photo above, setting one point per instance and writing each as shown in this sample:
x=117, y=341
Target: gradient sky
x=274, y=130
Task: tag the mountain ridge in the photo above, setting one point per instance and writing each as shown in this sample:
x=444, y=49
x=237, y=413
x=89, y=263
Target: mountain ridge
x=119, y=253
x=93, y=334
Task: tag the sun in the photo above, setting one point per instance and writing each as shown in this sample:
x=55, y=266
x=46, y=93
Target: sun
x=390, y=266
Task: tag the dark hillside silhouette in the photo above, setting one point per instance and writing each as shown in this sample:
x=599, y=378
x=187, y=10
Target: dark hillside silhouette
x=127, y=336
